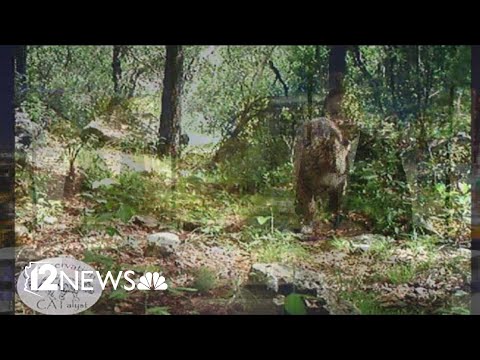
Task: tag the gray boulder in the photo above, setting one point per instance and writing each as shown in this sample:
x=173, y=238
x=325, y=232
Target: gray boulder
x=132, y=243
x=162, y=244
x=364, y=242
x=21, y=231
x=26, y=131
x=100, y=131
x=284, y=279
x=148, y=221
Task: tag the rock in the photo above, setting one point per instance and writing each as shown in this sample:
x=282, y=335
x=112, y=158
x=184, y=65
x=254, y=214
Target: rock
x=162, y=244
x=104, y=182
x=135, y=165
x=101, y=131
x=461, y=293
x=216, y=251
x=370, y=238
x=50, y=220
x=273, y=282
x=131, y=242
x=20, y=231
x=62, y=227
x=284, y=279
x=364, y=242
x=279, y=300
x=363, y=247
x=421, y=291
x=148, y=221
x=306, y=230
x=26, y=131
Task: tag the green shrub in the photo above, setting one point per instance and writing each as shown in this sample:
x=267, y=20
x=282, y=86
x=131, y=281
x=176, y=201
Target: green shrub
x=205, y=280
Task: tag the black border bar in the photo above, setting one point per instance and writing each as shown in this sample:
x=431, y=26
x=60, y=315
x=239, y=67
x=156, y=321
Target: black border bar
x=7, y=181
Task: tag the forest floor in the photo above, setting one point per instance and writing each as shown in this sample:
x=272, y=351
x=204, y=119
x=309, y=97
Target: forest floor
x=223, y=233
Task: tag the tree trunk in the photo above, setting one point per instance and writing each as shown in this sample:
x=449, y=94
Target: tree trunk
x=21, y=70
x=475, y=128
x=116, y=69
x=337, y=67
x=475, y=106
x=310, y=95
x=450, y=162
x=333, y=107
x=170, y=119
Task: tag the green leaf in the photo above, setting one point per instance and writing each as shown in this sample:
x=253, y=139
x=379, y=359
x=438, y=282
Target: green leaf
x=158, y=310
x=151, y=268
x=125, y=213
x=92, y=257
x=186, y=289
x=180, y=291
x=441, y=188
x=294, y=305
x=104, y=217
x=262, y=220
x=460, y=311
x=464, y=188
x=112, y=231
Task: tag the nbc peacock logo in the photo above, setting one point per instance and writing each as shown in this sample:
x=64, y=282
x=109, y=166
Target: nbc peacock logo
x=152, y=281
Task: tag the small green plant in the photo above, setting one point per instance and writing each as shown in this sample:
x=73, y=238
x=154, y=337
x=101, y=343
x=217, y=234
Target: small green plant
x=96, y=222
x=456, y=311
x=158, y=310
x=367, y=304
x=342, y=244
x=205, y=280
x=123, y=198
x=401, y=274
x=180, y=291
x=45, y=211
x=423, y=243
x=382, y=248
x=119, y=294
x=93, y=166
x=106, y=262
x=273, y=246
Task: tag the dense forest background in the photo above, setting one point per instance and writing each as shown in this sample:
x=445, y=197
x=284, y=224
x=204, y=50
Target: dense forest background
x=123, y=149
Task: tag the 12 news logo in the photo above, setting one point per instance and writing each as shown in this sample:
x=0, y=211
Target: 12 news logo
x=82, y=280
x=65, y=286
